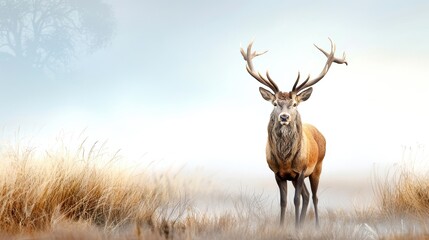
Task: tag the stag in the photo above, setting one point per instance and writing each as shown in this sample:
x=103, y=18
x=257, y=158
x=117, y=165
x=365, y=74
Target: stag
x=294, y=150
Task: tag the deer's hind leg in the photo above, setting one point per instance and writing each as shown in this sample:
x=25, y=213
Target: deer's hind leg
x=314, y=184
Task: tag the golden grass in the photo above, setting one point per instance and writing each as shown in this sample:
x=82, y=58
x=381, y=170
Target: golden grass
x=404, y=192
x=37, y=193
x=76, y=193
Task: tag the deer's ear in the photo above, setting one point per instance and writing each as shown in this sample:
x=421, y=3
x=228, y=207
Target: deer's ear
x=267, y=95
x=304, y=95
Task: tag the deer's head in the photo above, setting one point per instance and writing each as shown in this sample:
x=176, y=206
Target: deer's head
x=286, y=103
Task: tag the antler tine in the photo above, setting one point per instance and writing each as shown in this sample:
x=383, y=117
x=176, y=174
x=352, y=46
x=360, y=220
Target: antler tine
x=324, y=52
x=303, y=83
x=330, y=59
x=296, y=82
x=294, y=88
x=272, y=82
x=248, y=56
x=342, y=60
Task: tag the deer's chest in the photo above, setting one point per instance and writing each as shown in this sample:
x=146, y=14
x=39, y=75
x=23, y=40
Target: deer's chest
x=288, y=166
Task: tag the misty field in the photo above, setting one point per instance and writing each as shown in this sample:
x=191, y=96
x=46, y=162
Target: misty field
x=82, y=193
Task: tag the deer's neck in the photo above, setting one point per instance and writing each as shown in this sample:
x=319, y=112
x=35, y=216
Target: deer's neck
x=285, y=140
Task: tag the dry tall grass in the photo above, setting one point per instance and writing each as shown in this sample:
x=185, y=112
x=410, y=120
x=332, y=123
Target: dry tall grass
x=36, y=192
x=404, y=192
x=80, y=194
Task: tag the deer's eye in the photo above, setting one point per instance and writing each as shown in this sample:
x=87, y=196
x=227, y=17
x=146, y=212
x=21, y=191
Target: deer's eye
x=294, y=104
x=275, y=104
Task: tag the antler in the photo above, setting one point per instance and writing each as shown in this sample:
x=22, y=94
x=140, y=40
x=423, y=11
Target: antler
x=248, y=56
x=331, y=59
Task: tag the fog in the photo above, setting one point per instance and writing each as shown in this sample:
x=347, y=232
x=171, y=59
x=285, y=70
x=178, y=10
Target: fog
x=164, y=82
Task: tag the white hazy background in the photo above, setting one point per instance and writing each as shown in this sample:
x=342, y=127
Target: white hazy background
x=172, y=86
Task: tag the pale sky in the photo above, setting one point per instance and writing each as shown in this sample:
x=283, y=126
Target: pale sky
x=172, y=86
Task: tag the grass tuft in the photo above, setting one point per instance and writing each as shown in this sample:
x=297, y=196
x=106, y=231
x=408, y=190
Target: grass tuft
x=405, y=192
x=35, y=193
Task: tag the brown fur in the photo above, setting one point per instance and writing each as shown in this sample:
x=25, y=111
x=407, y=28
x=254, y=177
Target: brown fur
x=286, y=157
x=284, y=95
x=294, y=151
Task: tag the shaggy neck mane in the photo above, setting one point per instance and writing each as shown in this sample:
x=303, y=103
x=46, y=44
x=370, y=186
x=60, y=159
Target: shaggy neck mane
x=285, y=140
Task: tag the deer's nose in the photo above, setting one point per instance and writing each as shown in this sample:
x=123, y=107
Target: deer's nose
x=284, y=117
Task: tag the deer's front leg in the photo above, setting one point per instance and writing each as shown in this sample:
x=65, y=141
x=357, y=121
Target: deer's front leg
x=283, y=197
x=299, y=182
x=305, y=200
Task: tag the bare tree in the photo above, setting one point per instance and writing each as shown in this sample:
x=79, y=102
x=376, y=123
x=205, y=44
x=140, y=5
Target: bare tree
x=46, y=34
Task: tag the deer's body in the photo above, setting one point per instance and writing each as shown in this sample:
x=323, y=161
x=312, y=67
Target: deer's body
x=294, y=150
x=289, y=151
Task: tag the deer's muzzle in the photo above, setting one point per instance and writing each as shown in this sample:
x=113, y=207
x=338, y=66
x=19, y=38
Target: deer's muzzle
x=284, y=118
